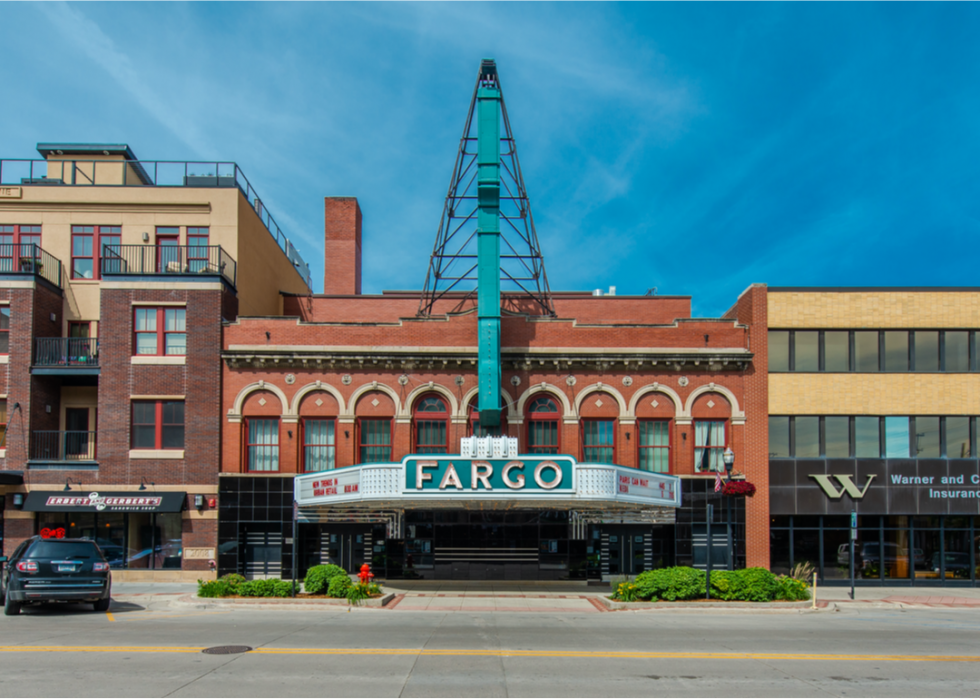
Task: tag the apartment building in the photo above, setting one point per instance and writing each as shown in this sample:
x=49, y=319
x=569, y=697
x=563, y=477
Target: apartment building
x=115, y=277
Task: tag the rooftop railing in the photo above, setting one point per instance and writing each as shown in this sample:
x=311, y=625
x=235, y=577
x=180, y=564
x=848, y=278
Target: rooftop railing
x=153, y=173
x=168, y=260
x=28, y=258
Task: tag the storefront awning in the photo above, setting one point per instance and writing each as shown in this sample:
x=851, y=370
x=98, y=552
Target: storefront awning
x=11, y=477
x=59, y=501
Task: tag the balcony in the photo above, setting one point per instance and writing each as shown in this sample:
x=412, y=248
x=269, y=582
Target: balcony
x=148, y=173
x=168, y=260
x=29, y=259
x=66, y=356
x=62, y=449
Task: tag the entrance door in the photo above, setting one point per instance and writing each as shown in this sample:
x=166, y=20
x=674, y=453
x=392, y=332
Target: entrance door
x=168, y=254
x=262, y=554
x=346, y=547
x=77, y=434
x=626, y=550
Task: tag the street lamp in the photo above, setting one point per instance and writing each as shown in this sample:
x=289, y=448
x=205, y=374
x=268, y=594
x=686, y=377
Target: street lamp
x=729, y=458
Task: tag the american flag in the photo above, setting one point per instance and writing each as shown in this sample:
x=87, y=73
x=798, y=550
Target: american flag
x=717, y=482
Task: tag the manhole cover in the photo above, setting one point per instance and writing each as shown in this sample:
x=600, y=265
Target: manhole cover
x=227, y=650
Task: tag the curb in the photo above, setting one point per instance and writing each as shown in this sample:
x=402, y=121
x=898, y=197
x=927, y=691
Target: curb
x=767, y=607
x=263, y=603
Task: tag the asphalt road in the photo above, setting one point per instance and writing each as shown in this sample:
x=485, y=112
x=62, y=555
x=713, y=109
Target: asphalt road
x=156, y=652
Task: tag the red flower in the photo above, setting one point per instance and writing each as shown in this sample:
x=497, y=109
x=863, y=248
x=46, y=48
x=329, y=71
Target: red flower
x=738, y=489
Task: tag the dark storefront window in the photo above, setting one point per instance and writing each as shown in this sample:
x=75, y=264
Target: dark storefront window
x=133, y=540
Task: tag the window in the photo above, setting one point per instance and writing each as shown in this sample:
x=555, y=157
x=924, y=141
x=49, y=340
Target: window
x=837, y=350
x=598, y=441
x=197, y=249
x=319, y=445
x=807, y=437
x=865, y=350
x=957, y=350
x=778, y=350
x=4, y=329
x=429, y=429
x=3, y=423
x=168, y=249
x=18, y=248
x=160, y=331
x=807, y=350
x=837, y=437
x=896, y=437
x=926, y=347
x=542, y=426
x=89, y=257
x=478, y=430
x=927, y=442
x=158, y=424
x=958, y=437
x=654, y=445
x=375, y=440
x=778, y=437
x=262, y=444
x=709, y=445
x=867, y=437
x=896, y=350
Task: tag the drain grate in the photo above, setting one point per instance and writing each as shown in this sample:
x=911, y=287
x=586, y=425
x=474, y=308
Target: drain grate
x=226, y=650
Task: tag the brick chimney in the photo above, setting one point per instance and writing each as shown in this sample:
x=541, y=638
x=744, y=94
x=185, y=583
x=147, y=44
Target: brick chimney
x=342, y=246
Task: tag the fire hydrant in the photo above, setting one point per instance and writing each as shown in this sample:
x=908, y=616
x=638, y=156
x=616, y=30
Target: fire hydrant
x=365, y=575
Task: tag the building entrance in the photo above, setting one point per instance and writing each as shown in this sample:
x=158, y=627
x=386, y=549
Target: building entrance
x=261, y=551
x=346, y=546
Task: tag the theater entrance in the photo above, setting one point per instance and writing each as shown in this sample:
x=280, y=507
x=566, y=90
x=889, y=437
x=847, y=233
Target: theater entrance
x=347, y=546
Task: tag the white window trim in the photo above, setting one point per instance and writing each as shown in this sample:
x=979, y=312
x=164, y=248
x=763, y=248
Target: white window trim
x=172, y=359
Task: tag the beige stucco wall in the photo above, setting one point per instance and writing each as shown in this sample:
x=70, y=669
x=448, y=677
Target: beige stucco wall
x=874, y=394
x=874, y=309
x=80, y=397
x=140, y=210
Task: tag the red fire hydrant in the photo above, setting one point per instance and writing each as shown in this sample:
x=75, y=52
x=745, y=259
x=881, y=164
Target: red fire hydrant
x=365, y=575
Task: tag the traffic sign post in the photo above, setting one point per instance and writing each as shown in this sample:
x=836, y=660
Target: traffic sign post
x=854, y=536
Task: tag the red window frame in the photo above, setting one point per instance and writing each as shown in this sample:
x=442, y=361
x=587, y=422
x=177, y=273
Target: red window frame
x=362, y=445
x=304, y=446
x=612, y=445
x=160, y=318
x=158, y=424
x=421, y=419
x=95, y=234
x=164, y=259
x=719, y=461
x=669, y=446
x=20, y=235
x=538, y=416
x=248, y=446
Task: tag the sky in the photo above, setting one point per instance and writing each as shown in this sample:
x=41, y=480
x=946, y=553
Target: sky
x=692, y=148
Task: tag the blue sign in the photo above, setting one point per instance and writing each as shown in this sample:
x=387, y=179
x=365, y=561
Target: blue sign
x=526, y=474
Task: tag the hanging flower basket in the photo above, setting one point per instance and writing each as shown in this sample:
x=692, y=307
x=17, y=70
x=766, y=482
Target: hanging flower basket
x=738, y=489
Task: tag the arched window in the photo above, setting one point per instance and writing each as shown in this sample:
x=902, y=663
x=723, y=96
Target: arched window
x=542, y=426
x=430, y=426
x=477, y=430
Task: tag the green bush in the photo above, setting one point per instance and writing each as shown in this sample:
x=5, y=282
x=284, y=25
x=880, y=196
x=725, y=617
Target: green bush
x=357, y=592
x=266, y=588
x=759, y=585
x=214, y=588
x=791, y=589
x=677, y=583
x=626, y=592
x=727, y=585
x=339, y=585
x=318, y=578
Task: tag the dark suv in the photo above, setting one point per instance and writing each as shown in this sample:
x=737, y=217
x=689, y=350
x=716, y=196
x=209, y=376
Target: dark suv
x=55, y=570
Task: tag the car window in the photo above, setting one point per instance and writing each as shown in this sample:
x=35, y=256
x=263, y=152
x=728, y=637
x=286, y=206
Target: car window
x=64, y=549
x=19, y=550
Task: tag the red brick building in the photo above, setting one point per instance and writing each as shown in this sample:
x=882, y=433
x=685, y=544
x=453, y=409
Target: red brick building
x=345, y=378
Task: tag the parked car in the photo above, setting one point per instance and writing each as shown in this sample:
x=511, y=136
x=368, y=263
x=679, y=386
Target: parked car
x=55, y=570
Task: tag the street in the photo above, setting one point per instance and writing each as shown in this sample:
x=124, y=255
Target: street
x=154, y=650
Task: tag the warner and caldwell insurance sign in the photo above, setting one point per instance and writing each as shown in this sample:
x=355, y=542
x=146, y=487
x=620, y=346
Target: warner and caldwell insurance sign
x=421, y=477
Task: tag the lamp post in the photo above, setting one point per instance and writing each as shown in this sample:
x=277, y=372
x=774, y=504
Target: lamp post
x=729, y=459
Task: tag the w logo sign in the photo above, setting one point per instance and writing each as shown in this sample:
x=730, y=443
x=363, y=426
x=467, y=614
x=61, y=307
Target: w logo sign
x=846, y=486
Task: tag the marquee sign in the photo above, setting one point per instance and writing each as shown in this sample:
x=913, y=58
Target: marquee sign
x=421, y=478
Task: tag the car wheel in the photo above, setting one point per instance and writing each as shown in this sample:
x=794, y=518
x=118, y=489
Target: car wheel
x=11, y=608
x=102, y=605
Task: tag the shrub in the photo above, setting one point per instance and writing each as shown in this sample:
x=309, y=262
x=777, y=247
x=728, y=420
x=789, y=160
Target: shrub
x=233, y=579
x=356, y=593
x=790, y=589
x=214, y=588
x=318, y=578
x=339, y=585
x=626, y=592
x=374, y=589
x=677, y=583
x=759, y=585
x=727, y=585
x=265, y=588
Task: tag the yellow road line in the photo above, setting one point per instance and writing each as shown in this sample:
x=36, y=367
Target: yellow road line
x=635, y=655
x=109, y=615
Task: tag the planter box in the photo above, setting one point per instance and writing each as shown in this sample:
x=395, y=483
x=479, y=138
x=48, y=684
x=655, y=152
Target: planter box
x=288, y=601
x=614, y=605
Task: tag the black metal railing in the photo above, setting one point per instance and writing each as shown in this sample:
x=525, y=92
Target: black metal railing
x=66, y=351
x=168, y=260
x=28, y=258
x=62, y=445
x=152, y=173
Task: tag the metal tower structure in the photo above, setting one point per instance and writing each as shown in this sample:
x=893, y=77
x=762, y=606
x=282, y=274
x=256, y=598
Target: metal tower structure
x=486, y=194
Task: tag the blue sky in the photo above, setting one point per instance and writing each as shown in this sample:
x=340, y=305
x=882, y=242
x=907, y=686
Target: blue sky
x=696, y=148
